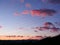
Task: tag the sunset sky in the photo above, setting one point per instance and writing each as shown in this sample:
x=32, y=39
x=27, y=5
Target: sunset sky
x=25, y=17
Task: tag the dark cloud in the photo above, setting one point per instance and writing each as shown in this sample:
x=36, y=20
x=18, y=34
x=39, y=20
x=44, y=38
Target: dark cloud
x=20, y=36
x=48, y=26
x=54, y=29
x=36, y=38
x=41, y=28
x=41, y=37
x=54, y=1
x=43, y=12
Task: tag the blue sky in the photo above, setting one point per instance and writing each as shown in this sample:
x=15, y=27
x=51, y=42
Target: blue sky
x=11, y=24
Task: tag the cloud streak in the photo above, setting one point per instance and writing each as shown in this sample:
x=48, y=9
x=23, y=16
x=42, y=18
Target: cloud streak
x=54, y=1
x=43, y=12
x=47, y=26
x=40, y=12
x=25, y=12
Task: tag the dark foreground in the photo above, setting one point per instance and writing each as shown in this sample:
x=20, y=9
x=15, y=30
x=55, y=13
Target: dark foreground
x=46, y=41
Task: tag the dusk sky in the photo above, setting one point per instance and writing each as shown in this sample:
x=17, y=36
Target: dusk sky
x=26, y=17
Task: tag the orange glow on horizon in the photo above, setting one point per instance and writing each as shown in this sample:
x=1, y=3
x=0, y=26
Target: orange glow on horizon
x=20, y=38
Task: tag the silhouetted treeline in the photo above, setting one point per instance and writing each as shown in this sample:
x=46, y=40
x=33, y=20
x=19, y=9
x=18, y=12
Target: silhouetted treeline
x=46, y=41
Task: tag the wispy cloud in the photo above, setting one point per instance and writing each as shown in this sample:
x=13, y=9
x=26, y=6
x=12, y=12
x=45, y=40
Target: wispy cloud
x=40, y=12
x=37, y=37
x=54, y=1
x=48, y=26
x=43, y=12
x=25, y=12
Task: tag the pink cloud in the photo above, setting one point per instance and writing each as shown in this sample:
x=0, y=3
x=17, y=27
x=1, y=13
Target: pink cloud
x=54, y=29
x=38, y=37
x=35, y=13
x=25, y=12
x=28, y=5
x=48, y=26
x=43, y=12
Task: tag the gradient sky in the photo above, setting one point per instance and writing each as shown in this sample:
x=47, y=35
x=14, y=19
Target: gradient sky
x=14, y=22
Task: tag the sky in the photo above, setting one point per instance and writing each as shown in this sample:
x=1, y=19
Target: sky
x=30, y=17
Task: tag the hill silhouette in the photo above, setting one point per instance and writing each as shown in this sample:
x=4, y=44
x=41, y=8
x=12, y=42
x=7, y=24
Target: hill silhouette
x=46, y=41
